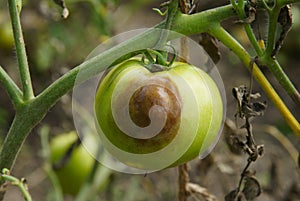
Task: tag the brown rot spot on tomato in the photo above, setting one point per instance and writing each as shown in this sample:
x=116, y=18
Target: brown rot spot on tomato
x=157, y=102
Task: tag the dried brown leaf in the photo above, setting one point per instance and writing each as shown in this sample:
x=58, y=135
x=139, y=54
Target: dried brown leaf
x=209, y=44
x=285, y=20
x=246, y=107
x=196, y=189
x=235, y=196
x=252, y=188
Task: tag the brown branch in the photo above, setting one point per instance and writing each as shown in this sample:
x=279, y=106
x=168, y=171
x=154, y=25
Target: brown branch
x=183, y=181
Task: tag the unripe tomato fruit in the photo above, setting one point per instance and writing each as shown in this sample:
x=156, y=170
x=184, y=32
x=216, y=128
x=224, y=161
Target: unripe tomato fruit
x=6, y=36
x=130, y=99
x=74, y=173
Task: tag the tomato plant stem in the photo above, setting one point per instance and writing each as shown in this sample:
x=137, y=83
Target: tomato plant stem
x=253, y=39
x=240, y=9
x=20, y=183
x=200, y=22
x=14, y=10
x=273, y=14
x=183, y=181
x=12, y=89
x=172, y=10
x=282, y=78
x=221, y=34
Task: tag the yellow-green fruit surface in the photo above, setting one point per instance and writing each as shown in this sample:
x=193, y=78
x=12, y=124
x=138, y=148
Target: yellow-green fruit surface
x=186, y=98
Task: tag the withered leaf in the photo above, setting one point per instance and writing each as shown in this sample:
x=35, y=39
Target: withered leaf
x=239, y=93
x=254, y=109
x=259, y=106
x=232, y=138
x=247, y=108
x=252, y=188
x=209, y=43
x=235, y=145
x=235, y=196
x=251, y=17
x=285, y=20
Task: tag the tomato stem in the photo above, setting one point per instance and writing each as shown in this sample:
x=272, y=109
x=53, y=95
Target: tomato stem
x=12, y=89
x=160, y=62
x=171, y=13
x=14, y=10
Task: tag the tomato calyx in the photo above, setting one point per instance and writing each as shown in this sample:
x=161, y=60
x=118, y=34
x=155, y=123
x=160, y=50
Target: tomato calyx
x=159, y=63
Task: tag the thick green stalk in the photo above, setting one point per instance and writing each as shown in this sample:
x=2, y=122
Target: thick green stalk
x=14, y=11
x=200, y=22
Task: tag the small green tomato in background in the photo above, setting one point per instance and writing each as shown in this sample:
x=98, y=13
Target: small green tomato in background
x=156, y=117
x=6, y=36
x=74, y=173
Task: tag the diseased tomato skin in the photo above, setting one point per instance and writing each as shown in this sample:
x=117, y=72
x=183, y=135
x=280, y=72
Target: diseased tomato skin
x=207, y=108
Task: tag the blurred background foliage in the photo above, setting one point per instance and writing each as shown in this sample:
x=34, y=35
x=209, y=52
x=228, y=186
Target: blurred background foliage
x=55, y=45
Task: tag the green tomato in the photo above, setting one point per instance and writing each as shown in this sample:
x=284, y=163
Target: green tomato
x=154, y=120
x=74, y=173
x=6, y=36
